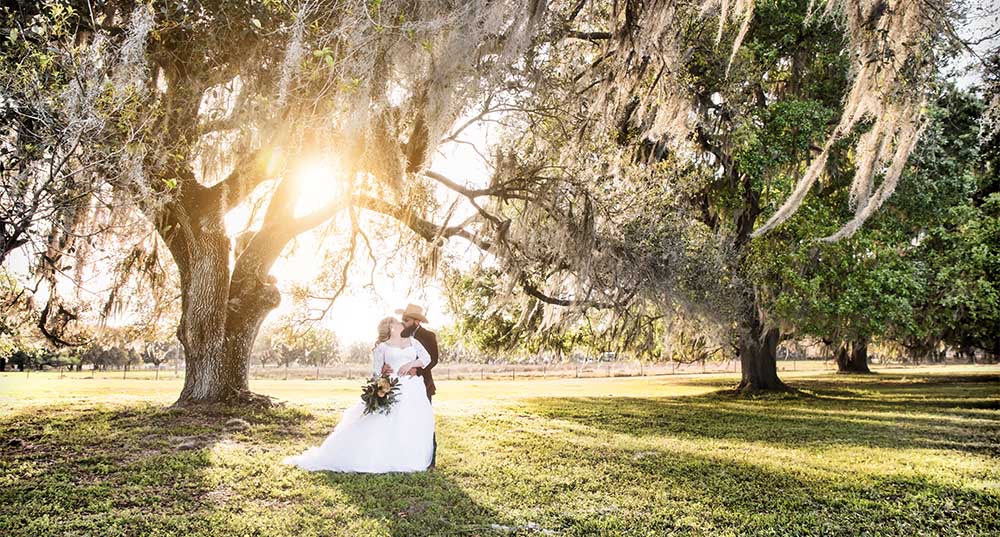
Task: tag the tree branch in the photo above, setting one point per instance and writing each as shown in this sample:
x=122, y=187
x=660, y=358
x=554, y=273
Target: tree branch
x=507, y=189
x=533, y=291
x=54, y=337
x=267, y=244
x=589, y=36
x=463, y=190
x=245, y=177
x=315, y=218
x=429, y=231
x=425, y=229
x=575, y=11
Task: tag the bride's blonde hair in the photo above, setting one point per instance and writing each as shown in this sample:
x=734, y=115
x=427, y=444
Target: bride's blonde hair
x=384, y=329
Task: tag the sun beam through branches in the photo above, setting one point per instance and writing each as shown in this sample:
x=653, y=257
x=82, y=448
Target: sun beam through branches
x=320, y=180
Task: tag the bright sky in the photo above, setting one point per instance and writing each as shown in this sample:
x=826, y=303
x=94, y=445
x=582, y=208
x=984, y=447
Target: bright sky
x=355, y=314
x=983, y=18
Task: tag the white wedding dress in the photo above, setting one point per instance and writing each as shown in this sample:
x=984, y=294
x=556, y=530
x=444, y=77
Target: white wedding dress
x=401, y=441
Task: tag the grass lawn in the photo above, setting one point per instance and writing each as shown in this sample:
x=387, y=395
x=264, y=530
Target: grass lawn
x=905, y=452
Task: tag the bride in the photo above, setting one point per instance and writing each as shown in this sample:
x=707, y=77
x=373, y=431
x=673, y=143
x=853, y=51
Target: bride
x=400, y=441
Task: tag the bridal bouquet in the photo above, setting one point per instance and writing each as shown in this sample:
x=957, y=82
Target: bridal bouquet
x=379, y=394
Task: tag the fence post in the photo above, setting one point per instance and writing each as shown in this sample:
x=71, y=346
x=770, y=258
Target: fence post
x=513, y=372
x=482, y=373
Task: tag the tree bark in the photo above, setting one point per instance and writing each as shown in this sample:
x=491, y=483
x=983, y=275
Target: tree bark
x=852, y=357
x=220, y=320
x=252, y=296
x=222, y=310
x=202, y=329
x=758, y=344
x=193, y=228
x=758, y=350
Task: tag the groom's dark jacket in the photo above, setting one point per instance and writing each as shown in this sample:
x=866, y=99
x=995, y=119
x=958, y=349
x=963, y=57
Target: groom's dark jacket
x=429, y=340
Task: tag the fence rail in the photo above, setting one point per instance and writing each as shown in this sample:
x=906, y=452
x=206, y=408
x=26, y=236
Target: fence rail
x=474, y=371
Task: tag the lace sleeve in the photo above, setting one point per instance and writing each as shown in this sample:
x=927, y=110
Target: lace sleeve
x=378, y=359
x=422, y=355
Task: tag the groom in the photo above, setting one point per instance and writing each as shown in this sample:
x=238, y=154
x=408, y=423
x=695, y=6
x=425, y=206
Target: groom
x=412, y=317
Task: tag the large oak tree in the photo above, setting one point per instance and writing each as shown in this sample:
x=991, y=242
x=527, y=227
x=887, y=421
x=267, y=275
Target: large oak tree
x=187, y=110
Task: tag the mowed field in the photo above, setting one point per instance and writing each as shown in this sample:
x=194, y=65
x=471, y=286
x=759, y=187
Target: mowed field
x=901, y=452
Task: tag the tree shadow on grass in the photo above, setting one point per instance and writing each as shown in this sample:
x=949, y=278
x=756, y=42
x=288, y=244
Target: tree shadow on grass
x=886, y=383
x=902, y=382
x=423, y=503
x=126, y=469
x=610, y=466
x=668, y=488
x=116, y=469
x=142, y=469
x=933, y=414
x=764, y=466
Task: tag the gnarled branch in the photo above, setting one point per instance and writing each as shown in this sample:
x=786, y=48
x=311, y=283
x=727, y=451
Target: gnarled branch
x=245, y=177
x=426, y=229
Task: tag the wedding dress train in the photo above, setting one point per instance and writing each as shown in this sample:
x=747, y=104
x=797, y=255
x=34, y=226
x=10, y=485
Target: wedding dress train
x=400, y=441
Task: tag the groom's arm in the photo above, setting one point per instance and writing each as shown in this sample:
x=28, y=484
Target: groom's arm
x=432, y=349
x=430, y=346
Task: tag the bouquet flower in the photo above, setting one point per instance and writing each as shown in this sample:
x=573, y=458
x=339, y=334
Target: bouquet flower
x=379, y=394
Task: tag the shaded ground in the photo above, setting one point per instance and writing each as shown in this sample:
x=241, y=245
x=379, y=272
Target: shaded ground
x=890, y=454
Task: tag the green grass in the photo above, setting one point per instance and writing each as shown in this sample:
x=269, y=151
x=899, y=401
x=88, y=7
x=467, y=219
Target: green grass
x=899, y=453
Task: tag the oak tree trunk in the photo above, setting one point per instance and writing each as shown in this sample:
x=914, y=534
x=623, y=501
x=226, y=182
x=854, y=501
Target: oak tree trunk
x=758, y=348
x=852, y=357
x=758, y=342
x=221, y=312
x=219, y=323
x=204, y=271
x=251, y=298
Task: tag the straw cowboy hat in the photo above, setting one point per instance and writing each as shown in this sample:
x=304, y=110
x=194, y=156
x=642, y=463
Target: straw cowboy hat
x=413, y=311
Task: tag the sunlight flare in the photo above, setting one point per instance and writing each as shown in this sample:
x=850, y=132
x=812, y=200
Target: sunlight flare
x=320, y=181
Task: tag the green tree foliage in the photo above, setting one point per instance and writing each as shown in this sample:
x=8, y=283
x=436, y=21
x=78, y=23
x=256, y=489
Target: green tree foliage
x=922, y=272
x=493, y=322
